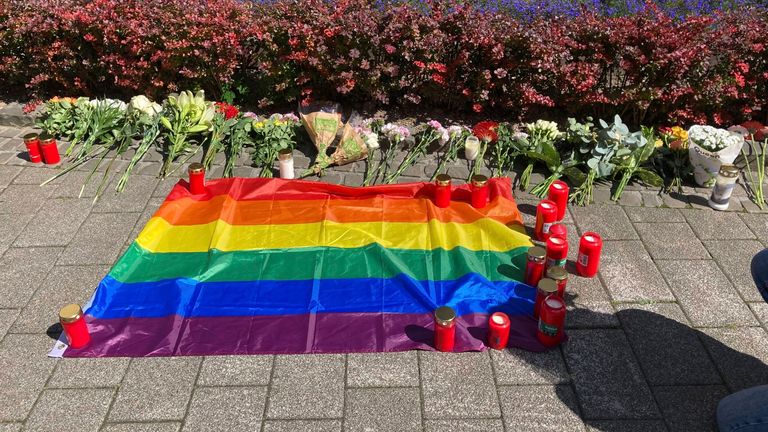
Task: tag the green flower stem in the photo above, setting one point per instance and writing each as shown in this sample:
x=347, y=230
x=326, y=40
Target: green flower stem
x=542, y=189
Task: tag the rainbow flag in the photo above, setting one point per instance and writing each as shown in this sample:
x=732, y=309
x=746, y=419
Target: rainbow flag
x=272, y=266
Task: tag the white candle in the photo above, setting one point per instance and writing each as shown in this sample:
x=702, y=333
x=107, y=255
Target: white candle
x=471, y=148
x=285, y=159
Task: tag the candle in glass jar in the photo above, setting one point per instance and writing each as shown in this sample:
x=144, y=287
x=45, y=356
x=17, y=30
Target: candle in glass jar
x=75, y=328
x=590, y=247
x=196, y=178
x=557, y=252
x=558, y=193
x=545, y=288
x=471, y=148
x=479, y=191
x=445, y=328
x=559, y=230
x=285, y=160
x=443, y=191
x=551, y=321
x=534, y=266
x=49, y=149
x=32, y=141
x=724, y=185
x=546, y=215
x=560, y=276
x=498, y=330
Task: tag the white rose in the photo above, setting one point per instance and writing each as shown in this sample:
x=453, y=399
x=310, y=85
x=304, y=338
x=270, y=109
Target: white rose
x=372, y=140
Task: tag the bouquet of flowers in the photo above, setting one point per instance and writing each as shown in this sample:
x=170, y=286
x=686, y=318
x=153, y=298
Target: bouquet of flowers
x=147, y=116
x=434, y=131
x=322, y=120
x=671, y=157
x=369, y=131
x=538, y=144
x=633, y=152
x=395, y=134
x=485, y=131
x=186, y=119
x=58, y=117
x=709, y=148
x=225, y=118
x=456, y=136
x=273, y=134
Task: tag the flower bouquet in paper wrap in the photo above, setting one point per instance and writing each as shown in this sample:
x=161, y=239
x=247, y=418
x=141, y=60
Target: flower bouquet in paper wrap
x=709, y=148
x=322, y=120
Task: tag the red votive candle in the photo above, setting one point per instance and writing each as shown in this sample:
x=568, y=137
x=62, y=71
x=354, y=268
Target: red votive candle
x=73, y=322
x=479, y=191
x=546, y=288
x=445, y=328
x=196, y=178
x=559, y=230
x=560, y=276
x=590, y=248
x=546, y=216
x=32, y=141
x=534, y=266
x=551, y=321
x=498, y=330
x=558, y=193
x=443, y=191
x=557, y=252
x=49, y=149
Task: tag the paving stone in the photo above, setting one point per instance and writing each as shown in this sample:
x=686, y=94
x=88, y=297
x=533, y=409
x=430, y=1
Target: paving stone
x=690, y=408
x=735, y=258
x=155, y=389
x=540, y=408
x=760, y=310
x=758, y=223
x=383, y=409
x=651, y=214
x=23, y=199
x=606, y=376
x=99, y=239
x=7, y=174
x=89, y=372
x=675, y=200
x=76, y=184
x=59, y=410
x=133, y=199
x=142, y=427
x=668, y=350
x=307, y=387
x=631, y=199
x=458, y=385
x=10, y=427
x=64, y=285
x=399, y=369
x=750, y=207
x=741, y=355
x=715, y=225
x=475, y=425
x=705, y=294
x=37, y=176
x=630, y=274
x=24, y=369
x=231, y=409
x=651, y=199
x=626, y=426
x=609, y=221
x=515, y=366
x=56, y=223
x=587, y=301
x=21, y=272
x=302, y=426
x=235, y=370
x=671, y=241
x=7, y=317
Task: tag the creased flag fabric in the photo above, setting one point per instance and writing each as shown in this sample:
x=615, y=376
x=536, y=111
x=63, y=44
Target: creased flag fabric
x=258, y=266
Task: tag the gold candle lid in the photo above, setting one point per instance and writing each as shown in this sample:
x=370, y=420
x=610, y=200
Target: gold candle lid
x=443, y=180
x=444, y=315
x=46, y=138
x=70, y=313
x=30, y=137
x=479, y=180
x=537, y=252
x=285, y=154
x=548, y=285
x=557, y=273
x=728, y=170
x=196, y=168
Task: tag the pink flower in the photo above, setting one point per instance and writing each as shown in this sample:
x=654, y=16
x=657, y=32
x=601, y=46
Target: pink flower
x=389, y=49
x=419, y=64
x=477, y=108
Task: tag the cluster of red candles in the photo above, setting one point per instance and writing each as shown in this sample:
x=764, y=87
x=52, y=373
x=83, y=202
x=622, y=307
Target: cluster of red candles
x=42, y=148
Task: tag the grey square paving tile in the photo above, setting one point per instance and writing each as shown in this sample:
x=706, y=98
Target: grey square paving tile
x=7, y=317
x=155, y=389
x=24, y=369
x=10, y=427
x=383, y=409
x=515, y=366
x=302, y=426
x=758, y=223
x=23, y=199
x=38, y=175
x=608, y=220
x=715, y=225
x=7, y=174
x=458, y=385
x=163, y=188
x=21, y=272
x=630, y=274
x=235, y=370
x=76, y=184
x=475, y=425
x=587, y=302
x=11, y=226
x=99, y=239
x=705, y=294
x=540, y=408
x=741, y=355
x=735, y=257
x=383, y=369
x=671, y=241
x=142, y=427
x=56, y=223
x=690, y=408
x=669, y=351
x=89, y=372
x=58, y=410
x=132, y=199
x=307, y=386
x=64, y=285
x=626, y=426
x=760, y=310
x=226, y=409
x=653, y=214
x=608, y=380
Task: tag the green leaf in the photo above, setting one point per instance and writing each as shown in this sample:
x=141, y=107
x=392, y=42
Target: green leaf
x=649, y=177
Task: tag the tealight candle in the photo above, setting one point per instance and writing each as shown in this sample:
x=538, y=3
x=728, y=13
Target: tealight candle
x=551, y=321
x=724, y=185
x=443, y=191
x=559, y=230
x=75, y=328
x=546, y=216
x=479, y=191
x=560, y=276
x=545, y=288
x=49, y=149
x=498, y=330
x=590, y=248
x=557, y=252
x=471, y=148
x=285, y=160
x=534, y=266
x=32, y=141
x=558, y=193
x=445, y=328
x=196, y=178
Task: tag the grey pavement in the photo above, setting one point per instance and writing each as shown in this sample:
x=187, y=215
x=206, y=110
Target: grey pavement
x=671, y=324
